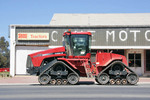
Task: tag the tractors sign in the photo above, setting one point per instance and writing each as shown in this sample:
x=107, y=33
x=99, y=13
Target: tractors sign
x=33, y=36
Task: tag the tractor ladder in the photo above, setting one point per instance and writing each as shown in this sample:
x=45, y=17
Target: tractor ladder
x=88, y=71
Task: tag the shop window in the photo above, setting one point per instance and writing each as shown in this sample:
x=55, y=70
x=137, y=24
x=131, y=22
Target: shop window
x=147, y=60
x=134, y=60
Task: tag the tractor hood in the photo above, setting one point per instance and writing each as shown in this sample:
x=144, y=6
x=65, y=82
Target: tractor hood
x=38, y=57
x=103, y=59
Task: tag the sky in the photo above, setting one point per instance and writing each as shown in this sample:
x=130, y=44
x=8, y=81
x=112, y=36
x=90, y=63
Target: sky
x=31, y=12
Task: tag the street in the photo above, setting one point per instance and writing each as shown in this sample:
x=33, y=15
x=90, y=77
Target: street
x=77, y=92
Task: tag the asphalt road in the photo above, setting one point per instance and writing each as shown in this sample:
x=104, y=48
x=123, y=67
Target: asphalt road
x=77, y=92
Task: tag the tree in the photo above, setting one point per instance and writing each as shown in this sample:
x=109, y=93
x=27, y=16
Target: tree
x=4, y=53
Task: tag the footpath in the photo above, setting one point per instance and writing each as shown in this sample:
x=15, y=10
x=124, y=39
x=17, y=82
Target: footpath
x=27, y=80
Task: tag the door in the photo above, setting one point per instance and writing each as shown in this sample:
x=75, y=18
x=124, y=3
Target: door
x=147, y=69
x=21, y=57
x=136, y=61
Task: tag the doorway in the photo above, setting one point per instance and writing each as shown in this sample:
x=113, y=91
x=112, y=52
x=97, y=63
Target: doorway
x=147, y=69
x=135, y=60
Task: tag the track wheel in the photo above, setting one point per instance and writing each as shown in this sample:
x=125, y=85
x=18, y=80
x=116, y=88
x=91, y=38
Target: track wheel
x=52, y=81
x=112, y=81
x=103, y=78
x=118, y=81
x=132, y=78
x=64, y=81
x=124, y=81
x=72, y=78
x=44, y=79
x=58, y=82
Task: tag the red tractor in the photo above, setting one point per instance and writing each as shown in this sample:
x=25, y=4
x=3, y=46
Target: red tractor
x=65, y=65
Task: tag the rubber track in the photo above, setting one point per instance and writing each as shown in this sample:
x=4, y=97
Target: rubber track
x=118, y=62
x=51, y=64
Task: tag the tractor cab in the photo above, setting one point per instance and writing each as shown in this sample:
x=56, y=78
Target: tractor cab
x=77, y=44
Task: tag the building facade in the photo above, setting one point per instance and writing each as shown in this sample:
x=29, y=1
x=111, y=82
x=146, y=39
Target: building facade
x=130, y=40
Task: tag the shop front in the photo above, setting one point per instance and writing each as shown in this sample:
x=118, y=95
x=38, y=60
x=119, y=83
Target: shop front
x=130, y=41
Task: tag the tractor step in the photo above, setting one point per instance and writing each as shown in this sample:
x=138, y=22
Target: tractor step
x=88, y=71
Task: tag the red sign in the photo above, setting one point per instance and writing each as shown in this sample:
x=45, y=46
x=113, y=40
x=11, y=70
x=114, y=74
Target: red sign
x=33, y=36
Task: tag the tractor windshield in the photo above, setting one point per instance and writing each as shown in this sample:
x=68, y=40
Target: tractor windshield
x=80, y=44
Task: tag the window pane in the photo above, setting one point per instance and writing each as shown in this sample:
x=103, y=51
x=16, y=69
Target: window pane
x=131, y=56
x=137, y=63
x=137, y=56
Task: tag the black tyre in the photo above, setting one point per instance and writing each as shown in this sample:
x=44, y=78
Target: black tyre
x=64, y=82
x=112, y=81
x=58, y=82
x=132, y=78
x=124, y=81
x=44, y=79
x=52, y=81
x=72, y=78
x=118, y=81
x=103, y=78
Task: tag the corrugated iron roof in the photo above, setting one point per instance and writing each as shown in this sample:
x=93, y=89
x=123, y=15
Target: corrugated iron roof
x=125, y=19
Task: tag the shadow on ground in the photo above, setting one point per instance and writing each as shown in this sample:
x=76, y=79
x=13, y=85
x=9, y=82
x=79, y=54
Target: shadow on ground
x=79, y=83
x=84, y=83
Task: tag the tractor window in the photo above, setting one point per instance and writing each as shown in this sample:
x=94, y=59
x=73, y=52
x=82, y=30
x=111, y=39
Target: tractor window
x=67, y=45
x=80, y=44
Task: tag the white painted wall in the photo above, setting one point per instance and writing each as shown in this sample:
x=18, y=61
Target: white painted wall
x=12, y=50
x=21, y=57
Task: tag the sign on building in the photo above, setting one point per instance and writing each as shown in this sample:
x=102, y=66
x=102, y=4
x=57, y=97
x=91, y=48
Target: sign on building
x=101, y=36
x=33, y=36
